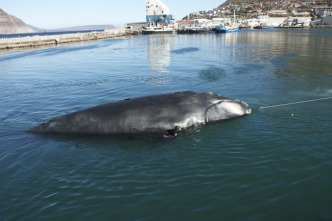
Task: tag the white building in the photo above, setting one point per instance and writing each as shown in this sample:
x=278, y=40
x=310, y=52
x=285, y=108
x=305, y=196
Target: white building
x=157, y=12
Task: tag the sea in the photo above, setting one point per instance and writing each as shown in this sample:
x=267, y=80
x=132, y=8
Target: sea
x=275, y=164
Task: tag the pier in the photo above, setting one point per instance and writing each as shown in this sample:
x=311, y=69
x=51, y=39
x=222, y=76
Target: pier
x=321, y=26
x=35, y=41
x=292, y=27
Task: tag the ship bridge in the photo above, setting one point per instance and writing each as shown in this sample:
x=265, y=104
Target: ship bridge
x=157, y=12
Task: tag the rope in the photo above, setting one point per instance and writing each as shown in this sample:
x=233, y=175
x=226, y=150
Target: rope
x=300, y=102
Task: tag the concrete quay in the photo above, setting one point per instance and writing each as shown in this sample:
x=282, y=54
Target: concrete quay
x=35, y=41
x=291, y=27
x=321, y=26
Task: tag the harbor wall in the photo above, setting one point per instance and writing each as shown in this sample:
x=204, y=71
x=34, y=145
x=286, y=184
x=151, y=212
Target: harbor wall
x=35, y=41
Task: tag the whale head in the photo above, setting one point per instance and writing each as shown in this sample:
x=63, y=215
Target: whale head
x=223, y=108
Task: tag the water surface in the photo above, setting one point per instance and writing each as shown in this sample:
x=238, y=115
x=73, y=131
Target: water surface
x=272, y=165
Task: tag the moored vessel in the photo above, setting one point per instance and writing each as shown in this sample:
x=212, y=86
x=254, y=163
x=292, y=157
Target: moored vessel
x=158, y=30
x=158, y=18
x=263, y=27
x=227, y=28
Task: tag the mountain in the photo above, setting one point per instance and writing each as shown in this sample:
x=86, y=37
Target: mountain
x=35, y=29
x=228, y=2
x=11, y=25
x=83, y=28
x=273, y=2
x=241, y=1
x=76, y=28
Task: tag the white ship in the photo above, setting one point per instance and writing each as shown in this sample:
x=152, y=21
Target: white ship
x=158, y=18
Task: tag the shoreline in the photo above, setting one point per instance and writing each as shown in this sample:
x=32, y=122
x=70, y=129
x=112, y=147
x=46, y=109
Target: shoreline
x=51, y=40
x=48, y=40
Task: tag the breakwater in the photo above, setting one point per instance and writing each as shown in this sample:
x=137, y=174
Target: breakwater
x=36, y=40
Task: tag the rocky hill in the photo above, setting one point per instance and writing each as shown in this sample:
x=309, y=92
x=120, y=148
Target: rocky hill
x=234, y=2
x=75, y=28
x=265, y=2
x=231, y=2
x=12, y=25
x=85, y=28
x=274, y=8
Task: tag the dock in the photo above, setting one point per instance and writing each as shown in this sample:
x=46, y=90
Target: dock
x=35, y=40
x=291, y=27
x=321, y=26
x=311, y=26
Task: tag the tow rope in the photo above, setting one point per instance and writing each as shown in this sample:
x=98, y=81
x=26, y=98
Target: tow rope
x=299, y=102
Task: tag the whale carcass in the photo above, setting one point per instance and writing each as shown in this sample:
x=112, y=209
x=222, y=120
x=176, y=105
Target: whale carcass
x=148, y=114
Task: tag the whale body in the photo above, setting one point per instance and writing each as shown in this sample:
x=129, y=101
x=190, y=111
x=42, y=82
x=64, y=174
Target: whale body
x=149, y=114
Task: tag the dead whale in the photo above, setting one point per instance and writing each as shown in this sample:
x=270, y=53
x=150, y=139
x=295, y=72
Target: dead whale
x=150, y=114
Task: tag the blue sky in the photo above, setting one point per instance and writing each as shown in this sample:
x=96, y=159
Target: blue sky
x=50, y=14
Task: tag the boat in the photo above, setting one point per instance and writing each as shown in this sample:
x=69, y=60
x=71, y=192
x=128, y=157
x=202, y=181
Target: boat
x=232, y=27
x=158, y=18
x=199, y=30
x=227, y=28
x=263, y=27
x=158, y=30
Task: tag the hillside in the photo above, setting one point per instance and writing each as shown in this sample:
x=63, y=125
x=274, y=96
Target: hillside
x=86, y=27
x=234, y=2
x=245, y=9
x=11, y=25
x=76, y=28
x=275, y=2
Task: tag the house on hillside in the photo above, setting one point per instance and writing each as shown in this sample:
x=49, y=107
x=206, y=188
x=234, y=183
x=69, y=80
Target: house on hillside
x=279, y=13
x=322, y=10
x=301, y=12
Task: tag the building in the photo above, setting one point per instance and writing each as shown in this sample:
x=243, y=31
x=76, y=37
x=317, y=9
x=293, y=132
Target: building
x=135, y=28
x=278, y=12
x=322, y=10
x=157, y=12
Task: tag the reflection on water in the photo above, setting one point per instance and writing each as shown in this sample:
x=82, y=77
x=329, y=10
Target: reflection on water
x=309, y=49
x=159, y=59
x=229, y=41
x=280, y=48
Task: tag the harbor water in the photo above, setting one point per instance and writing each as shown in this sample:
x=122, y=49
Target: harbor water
x=274, y=164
